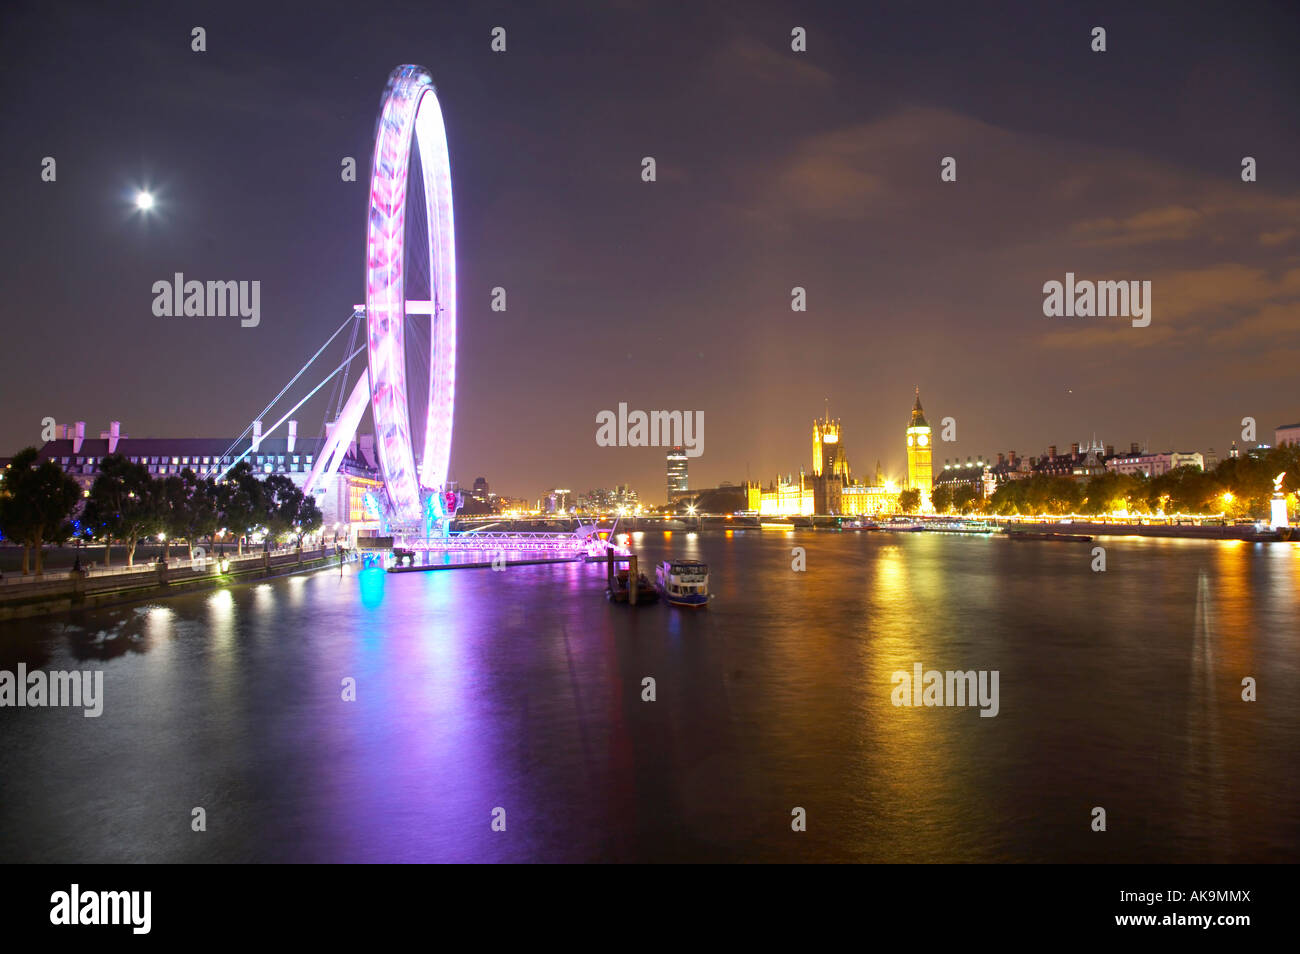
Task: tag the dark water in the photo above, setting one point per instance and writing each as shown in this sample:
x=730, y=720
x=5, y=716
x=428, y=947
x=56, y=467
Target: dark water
x=522, y=690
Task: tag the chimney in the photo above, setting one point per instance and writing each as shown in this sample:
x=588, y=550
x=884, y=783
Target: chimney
x=293, y=435
x=257, y=436
x=1110, y=450
x=1133, y=448
x=1002, y=459
x=1011, y=456
x=114, y=434
x=80, y=435
x=1051, y=450
x=1074, y=449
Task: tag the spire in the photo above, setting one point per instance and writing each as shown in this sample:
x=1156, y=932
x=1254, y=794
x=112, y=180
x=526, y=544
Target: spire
x=918, y=415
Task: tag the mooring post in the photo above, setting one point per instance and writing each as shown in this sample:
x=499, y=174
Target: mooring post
x=631, y=579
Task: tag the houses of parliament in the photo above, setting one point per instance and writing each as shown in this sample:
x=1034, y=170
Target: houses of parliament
x=831, y=489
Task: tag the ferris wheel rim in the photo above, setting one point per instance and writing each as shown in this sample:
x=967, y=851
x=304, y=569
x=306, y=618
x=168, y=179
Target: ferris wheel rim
x=410, y=112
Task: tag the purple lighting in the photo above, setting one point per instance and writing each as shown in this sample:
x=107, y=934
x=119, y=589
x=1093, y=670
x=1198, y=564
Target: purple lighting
x=410, y=109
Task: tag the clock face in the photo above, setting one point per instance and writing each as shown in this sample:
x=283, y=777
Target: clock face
x=923, y=440
x=909, y=440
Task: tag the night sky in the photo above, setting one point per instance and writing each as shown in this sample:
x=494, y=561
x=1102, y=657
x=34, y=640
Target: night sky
x=775, y=169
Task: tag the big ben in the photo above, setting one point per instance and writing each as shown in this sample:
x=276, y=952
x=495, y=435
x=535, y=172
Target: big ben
x=919, y=475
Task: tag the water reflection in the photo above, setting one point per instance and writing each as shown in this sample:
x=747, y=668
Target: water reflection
x=523, y=690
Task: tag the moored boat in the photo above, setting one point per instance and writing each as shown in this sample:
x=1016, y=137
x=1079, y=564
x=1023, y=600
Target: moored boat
x=684, y=582
x=902, y=525
x=1035, y=535
x=961, y=526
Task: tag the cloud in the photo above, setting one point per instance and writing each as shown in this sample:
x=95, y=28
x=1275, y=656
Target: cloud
x=757, y=64
x=1272, y=325
x=1152, y=225
x=1269, y=239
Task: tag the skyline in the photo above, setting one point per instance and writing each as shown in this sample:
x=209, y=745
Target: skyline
x=676, y=294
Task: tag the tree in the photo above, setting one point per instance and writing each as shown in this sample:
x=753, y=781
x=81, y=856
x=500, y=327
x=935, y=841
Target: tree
x=125, y=504
x=190, y=508
x=941, y=497
x=1250, y=479
x=282, y=500
x=1109, y=492
x=202, y=516
x=241, y=501
x=1009, y=498
x=963, y=498
x=310, y=519
x=909, y=501
x=172, y=499
x=35, y=503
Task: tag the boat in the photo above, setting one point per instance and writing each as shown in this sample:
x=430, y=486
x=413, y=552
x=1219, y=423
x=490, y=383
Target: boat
x=684, y=582
x=859, y=524
x=619, y=590
x=902, y=525
x=1034, y=535
x=961, y=526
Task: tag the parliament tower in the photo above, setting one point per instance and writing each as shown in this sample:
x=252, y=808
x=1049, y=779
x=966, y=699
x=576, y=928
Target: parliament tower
x=919, y=475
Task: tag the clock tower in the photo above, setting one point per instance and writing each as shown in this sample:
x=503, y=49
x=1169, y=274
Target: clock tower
x=919, y=475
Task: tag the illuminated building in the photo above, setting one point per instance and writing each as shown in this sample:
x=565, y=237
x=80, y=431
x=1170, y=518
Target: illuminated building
x=1286, y=434
x=829, y=458
x=555, y=500
x=1153, y=465
x=918, y=453
x=782, y=498
x=969, y=473
x=830, y=471
x=859, y=500
x=621, y=500
x=338, y=495
x=677, y=480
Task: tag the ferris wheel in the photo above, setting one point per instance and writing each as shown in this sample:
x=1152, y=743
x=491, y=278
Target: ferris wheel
x=410, y=250
x=410, y=113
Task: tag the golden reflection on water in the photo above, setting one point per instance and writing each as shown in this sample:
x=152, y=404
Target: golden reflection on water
x=917, y=747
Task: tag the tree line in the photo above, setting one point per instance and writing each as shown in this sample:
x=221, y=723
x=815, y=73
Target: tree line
x=40, y=505
x=1240, y=487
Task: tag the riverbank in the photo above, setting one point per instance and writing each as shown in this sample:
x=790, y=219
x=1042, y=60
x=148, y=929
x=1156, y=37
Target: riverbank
x=64, y=591
x=1184, y=531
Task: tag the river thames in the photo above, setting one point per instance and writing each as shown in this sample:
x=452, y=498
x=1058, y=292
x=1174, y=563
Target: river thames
x=523, y=690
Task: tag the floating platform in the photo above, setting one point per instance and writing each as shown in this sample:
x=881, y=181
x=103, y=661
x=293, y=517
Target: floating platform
x=484, y=564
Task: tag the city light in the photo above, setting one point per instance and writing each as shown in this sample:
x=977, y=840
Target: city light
x=144, y=201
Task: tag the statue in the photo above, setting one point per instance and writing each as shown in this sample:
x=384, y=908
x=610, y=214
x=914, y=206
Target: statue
x=1277, y=482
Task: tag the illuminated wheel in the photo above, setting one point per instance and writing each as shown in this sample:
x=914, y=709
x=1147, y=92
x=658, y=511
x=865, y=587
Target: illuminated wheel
x=410, y=115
